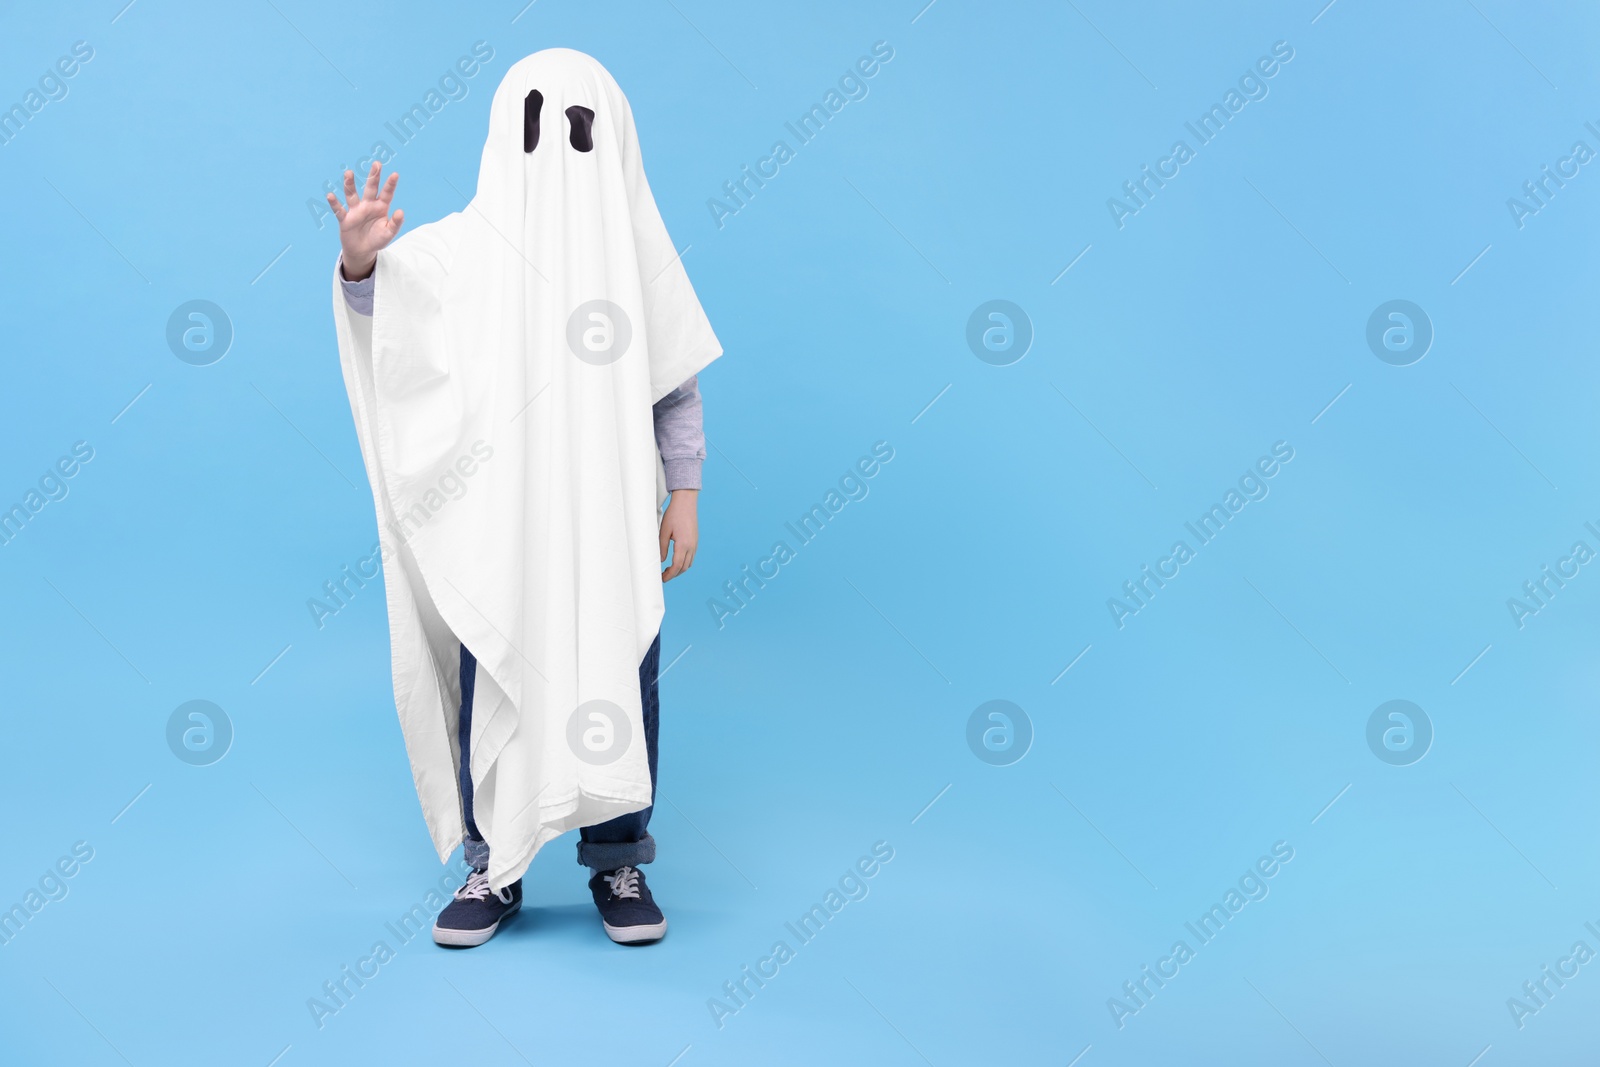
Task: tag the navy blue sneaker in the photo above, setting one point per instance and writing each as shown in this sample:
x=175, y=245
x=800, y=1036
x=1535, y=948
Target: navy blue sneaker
x=627, y=909
x=476, y=912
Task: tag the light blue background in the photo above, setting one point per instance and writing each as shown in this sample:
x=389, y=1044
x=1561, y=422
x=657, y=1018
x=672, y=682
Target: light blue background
x=831, y=710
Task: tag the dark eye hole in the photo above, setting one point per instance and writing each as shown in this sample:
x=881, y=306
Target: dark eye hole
x=582, y=127
x=530, y=120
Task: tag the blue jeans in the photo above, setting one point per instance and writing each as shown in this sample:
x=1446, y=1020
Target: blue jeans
x=621, y=842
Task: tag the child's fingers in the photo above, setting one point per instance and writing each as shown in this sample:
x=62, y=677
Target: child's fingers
x=338, y=208
x=351, y=199
x=664, y=535
x=387, y=194
x=371, y=190
x=397, y=220
x=682, y=555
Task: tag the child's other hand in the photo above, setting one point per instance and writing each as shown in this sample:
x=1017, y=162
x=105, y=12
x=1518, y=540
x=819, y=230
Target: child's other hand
x=365, y=226
x=681, y=527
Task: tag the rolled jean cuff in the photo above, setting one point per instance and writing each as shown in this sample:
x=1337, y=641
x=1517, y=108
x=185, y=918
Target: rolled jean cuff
x=477, y=853
x=608, y=856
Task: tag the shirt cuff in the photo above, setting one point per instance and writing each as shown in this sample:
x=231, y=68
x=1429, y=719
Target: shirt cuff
x=357, y=294
x=682, y=473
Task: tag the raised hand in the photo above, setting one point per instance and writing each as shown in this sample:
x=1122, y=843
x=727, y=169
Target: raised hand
x=365, y=225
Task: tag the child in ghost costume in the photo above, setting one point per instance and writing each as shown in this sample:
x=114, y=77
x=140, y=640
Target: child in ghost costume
x=522, y=375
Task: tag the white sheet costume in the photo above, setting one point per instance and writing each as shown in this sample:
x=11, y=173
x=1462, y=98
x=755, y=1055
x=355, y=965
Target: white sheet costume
x=502, y=393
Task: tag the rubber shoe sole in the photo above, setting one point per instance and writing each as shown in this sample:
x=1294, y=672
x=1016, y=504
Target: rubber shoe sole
x=636, y=935
x=453, y=938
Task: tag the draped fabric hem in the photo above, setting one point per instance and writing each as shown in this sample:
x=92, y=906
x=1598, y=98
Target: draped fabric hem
x=509, y=860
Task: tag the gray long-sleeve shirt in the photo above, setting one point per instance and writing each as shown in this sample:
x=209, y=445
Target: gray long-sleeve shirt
x=679, y=419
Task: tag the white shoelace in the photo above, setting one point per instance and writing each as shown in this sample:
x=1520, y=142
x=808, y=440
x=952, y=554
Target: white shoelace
x=477, y=888
x=625, y=883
